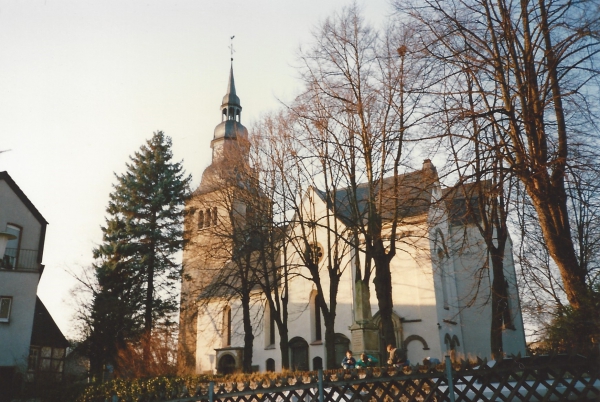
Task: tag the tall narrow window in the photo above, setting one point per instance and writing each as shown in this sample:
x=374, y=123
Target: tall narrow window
x=271, y=328
x=506, y=316
x=207, y=218
x=200, y=219
x=5, y=305
x=316, y=317
x=269, y=322
x=11, y=255
x=215, y=217
x=444, y=276
x=227, y=326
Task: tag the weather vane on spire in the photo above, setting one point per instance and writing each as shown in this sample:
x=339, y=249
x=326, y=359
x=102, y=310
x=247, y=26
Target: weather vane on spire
x=231, y=47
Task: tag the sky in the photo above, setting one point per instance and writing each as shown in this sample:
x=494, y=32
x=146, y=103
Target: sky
x=84, y=83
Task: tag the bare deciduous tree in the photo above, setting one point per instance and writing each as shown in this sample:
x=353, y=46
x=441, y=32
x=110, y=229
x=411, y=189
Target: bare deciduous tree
x=363, y=91
x=533, y=68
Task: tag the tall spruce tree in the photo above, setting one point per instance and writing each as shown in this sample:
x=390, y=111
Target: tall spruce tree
x=136, y=270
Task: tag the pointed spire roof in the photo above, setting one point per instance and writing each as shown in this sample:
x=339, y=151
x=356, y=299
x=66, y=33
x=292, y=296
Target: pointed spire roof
x=230, y=97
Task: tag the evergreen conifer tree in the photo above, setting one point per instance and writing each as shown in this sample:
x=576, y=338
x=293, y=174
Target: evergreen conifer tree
x=136, y=270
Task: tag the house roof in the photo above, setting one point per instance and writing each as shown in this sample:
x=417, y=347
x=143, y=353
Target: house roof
x=45, y=331
x=462, y=202
x=11, y=183
x=413, y=194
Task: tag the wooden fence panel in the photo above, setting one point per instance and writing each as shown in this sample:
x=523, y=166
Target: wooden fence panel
x=549, y=378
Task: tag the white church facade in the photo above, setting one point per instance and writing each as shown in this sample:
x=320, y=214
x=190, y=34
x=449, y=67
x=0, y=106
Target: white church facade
x=441, y=300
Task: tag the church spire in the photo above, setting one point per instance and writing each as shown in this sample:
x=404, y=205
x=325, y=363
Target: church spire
x=230, y=141
x=231, y=98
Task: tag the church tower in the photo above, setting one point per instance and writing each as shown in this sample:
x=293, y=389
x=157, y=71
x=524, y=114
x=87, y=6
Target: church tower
x=208, y=220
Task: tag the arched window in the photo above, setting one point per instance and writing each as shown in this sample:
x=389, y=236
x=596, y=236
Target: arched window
x=270, y=363
x=317, y=363
x=215, y=217
x=315, y=317
x=342, y=344
x=226, y=364
x=441, y=254
x=451, y=344
x=299, y=354
x=227, y=326
x=270, y=326
x=506, y=315
x=200, y=219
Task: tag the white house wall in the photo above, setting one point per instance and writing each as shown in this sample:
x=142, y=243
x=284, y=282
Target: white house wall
x=21, y=285
x=15, y=335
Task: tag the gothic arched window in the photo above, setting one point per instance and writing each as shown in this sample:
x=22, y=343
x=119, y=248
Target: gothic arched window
x=227, y=326
x=200, y=219
x=315, y=317
x=215, y=217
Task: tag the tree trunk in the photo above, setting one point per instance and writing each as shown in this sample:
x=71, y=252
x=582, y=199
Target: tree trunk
x=284, y=346
x=330, y=342
x=248, y=336
x=149, y=302
x=554, y=223
x=499, y=303
x=383, y=289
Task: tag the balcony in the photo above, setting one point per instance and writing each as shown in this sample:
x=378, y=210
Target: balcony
x=20, y=260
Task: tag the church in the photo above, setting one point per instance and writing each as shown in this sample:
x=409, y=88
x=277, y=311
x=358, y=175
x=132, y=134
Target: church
x=440, y=302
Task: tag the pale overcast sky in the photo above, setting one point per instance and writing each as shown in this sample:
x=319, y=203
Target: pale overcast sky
x=84, y=83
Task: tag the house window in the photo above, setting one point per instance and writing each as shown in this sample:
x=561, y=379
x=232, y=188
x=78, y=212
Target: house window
x=34, y=358
x=5, y=305
x=11, y=255
x=214, y=216
x=270, y=363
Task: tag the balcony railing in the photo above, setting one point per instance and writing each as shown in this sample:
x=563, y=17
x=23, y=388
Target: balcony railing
x=20, y=260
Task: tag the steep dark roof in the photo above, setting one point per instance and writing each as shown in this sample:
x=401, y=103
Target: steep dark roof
x=11, y=183
x=462, y=202
x=223, y=284
x=45, y=331
x=414, y=197
x=227, y=282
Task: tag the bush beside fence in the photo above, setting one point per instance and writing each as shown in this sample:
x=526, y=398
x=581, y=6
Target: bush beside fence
x=514, y=379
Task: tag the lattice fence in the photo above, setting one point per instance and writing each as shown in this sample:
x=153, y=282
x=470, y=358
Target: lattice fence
x=557, y=378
